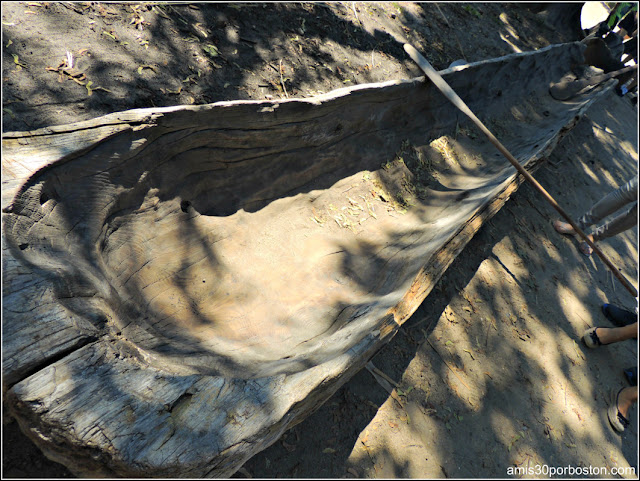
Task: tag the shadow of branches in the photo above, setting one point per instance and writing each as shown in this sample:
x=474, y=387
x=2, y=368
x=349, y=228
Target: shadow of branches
x=152, y=55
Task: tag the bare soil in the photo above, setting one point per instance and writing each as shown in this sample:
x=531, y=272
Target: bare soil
x=491, y=372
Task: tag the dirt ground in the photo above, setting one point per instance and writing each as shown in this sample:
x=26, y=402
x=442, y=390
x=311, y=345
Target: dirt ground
x=491, y=372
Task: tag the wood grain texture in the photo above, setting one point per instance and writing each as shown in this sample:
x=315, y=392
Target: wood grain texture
x=182, y=285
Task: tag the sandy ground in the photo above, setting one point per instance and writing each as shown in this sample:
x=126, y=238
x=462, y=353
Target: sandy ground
x=491, y=373
x=491, y=370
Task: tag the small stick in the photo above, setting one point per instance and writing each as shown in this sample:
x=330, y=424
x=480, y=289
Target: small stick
x=612, y=284
x=372, y=368
x=448, y=92
x=448, y=365
x=282, y=80
x=353, y=4
x=385, y=381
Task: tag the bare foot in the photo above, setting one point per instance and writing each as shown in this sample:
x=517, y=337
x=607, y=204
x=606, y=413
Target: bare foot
x=620, y=403
x=563, y=227
x=585, y=248
x=626, y=399
x=609, y=335
x=606, y=335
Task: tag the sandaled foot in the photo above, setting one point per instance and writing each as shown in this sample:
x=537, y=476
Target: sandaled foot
x=631, y=373
x=591, y=339
x=563, y=227
x=616, y=419
x=586, y=249
x=618, y=316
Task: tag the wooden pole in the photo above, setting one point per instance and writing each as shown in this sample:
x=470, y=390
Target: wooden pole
x=448, y=92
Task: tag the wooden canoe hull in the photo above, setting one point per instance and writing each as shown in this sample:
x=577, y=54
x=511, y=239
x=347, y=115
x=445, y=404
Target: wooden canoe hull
x=184, y=284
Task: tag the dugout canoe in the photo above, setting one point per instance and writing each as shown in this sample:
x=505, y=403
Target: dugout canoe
x=181, y=285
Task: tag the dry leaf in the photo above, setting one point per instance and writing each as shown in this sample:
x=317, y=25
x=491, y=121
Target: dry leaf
x=174, y=92
x=142, y=67
x=16, y=60
x=211, y=50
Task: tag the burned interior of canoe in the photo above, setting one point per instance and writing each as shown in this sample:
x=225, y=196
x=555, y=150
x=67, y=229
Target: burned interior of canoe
x=183, y=284
x=249, y=239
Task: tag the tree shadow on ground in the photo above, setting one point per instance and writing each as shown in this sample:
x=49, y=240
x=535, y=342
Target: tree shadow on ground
x=534, y=412
x=152, y=55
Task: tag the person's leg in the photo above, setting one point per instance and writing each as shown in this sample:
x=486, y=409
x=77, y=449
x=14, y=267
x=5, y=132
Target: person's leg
x=620, y=405
x=626, y=399
x=610, y=203
x=631, y=48
x=609, y=335
x=615, y=226
x=598, y=336
x=619, y=316
x=629, y=24
x=631, y=373
x=618, y=224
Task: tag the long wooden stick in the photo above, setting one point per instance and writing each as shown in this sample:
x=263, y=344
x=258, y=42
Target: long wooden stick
x=459, y=103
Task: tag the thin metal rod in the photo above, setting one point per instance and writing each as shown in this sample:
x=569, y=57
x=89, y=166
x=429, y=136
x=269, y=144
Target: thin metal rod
x=448, y=92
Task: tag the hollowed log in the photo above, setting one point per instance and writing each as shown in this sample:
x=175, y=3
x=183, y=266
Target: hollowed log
x=182, y=285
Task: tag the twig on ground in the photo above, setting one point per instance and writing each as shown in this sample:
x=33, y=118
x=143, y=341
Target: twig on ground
x=613, y=285
x=371, y=367
x=282, y=80
x=385, y=381
x=448, y=365
x=486, y=339
x=353, y=4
